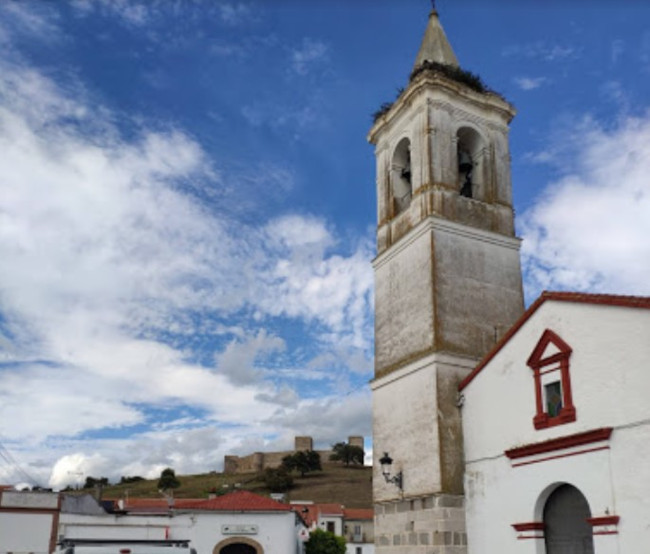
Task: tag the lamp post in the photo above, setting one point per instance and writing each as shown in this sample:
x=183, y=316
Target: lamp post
x=386, y=462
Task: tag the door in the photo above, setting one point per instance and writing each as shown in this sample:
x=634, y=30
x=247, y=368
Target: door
x=567, y=530
x=238, y=548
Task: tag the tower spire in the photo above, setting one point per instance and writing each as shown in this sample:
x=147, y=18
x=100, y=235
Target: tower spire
x=435, y=47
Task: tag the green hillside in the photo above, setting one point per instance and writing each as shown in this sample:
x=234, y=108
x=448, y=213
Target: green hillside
x=350, y=486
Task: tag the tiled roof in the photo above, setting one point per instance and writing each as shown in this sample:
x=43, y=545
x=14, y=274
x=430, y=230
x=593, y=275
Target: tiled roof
x=330, y=509
x=358, y=513
x=237, y=501
x=576, y=297
x=311, y=512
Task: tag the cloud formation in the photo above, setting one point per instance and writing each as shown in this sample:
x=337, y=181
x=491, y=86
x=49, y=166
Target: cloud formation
x=589, y=230
x=122, y=288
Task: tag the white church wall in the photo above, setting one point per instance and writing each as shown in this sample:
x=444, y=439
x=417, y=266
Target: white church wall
x=608, y=368
x=610, y=381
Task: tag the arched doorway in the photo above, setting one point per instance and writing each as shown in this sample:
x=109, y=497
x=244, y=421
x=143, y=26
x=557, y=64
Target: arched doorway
x=566, y=529
x=238, y=548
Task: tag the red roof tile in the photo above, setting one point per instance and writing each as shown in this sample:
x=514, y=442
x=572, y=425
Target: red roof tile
x=237, y=501
x=358, y=513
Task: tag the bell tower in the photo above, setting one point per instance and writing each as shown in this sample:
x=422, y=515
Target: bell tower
x=447, y=286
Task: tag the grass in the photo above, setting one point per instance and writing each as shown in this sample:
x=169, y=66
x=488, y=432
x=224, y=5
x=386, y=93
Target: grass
x=350, y=486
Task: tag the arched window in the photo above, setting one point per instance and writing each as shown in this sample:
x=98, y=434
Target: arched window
x=566, y=525
x=553, y=398
x=469, y=152
x=400, y=176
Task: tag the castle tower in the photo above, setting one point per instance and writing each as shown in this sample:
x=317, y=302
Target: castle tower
x=447, y=285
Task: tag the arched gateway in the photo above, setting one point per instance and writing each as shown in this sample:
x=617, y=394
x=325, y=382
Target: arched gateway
x=566, y=529
x=238, y=545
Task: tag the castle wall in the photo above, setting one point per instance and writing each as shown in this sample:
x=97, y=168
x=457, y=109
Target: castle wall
x=259, y=461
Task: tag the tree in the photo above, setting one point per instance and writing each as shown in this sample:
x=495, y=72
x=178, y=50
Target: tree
x=347, y=453
x=168, y=480
x=303, y=461
x=92, y=482
x=277, y=479
x=130, y=479
x=324, y=542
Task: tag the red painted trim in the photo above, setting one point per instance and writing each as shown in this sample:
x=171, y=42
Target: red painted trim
x=576, y=297
x=523, y=537
x=604, y=520
x=541, y=420
x=548, y=337
x=560, y=443
x=561, y=456
x=605, y=533
x=530, y=526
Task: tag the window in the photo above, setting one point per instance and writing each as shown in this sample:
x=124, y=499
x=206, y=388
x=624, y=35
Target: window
x=330, y=526
x=550, y=364
x=553, y=397
x=359, y=550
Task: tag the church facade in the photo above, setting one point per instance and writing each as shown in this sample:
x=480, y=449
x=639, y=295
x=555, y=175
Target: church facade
x=448, y=311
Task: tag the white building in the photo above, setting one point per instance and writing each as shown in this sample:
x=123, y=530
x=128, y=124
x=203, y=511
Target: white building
x=28, y=521
x=354, y=524
x=538, y=445
x=238, y=522
x=556, y=426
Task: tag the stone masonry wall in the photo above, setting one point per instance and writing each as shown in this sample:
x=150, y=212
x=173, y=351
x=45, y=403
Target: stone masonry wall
x=427, y=525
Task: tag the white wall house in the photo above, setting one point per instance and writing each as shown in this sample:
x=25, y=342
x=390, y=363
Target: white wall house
x=556, y=426
x=255, y=523
x=28, y=521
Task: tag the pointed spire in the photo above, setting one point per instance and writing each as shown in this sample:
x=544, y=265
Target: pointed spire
x=435, y=47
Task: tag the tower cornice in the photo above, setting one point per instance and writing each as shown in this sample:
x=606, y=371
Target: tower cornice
x=434, y=81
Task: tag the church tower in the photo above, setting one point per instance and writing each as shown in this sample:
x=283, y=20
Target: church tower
x=447, y=286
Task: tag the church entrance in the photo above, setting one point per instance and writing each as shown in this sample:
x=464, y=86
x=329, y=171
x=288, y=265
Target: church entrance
x=567, y=530
x=238, y=548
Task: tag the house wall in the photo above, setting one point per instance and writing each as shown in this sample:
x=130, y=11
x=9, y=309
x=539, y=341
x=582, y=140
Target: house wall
x=276, y=532
x=28, y=522
x=610, y=380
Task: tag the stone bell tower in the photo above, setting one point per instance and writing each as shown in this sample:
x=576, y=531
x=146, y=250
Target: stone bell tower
x=447, y=286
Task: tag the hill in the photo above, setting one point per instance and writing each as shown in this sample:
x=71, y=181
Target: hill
x=350, y=486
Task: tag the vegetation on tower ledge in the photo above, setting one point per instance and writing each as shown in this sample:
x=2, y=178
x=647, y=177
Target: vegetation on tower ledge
x=452, y=72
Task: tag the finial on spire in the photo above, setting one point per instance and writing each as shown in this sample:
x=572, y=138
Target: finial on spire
x=433, y=7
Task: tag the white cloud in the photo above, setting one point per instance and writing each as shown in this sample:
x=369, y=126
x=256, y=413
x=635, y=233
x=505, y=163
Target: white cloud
x=234, y=13
x=106, y=249
x=311, y=52
x=529, y=83
x=542, y=50
x=589, y=230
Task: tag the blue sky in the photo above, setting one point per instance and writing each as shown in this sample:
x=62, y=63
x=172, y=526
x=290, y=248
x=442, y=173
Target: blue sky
x=187, y=208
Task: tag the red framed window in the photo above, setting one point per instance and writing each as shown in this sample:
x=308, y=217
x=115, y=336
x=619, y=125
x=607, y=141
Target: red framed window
x=550, y=364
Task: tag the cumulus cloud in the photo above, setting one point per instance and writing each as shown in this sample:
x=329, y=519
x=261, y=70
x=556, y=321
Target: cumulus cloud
x=589, y=230
x=110, y=252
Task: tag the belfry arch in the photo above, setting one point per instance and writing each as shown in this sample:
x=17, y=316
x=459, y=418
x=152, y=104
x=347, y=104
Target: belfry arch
x=470, y=149
x=401, y=178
